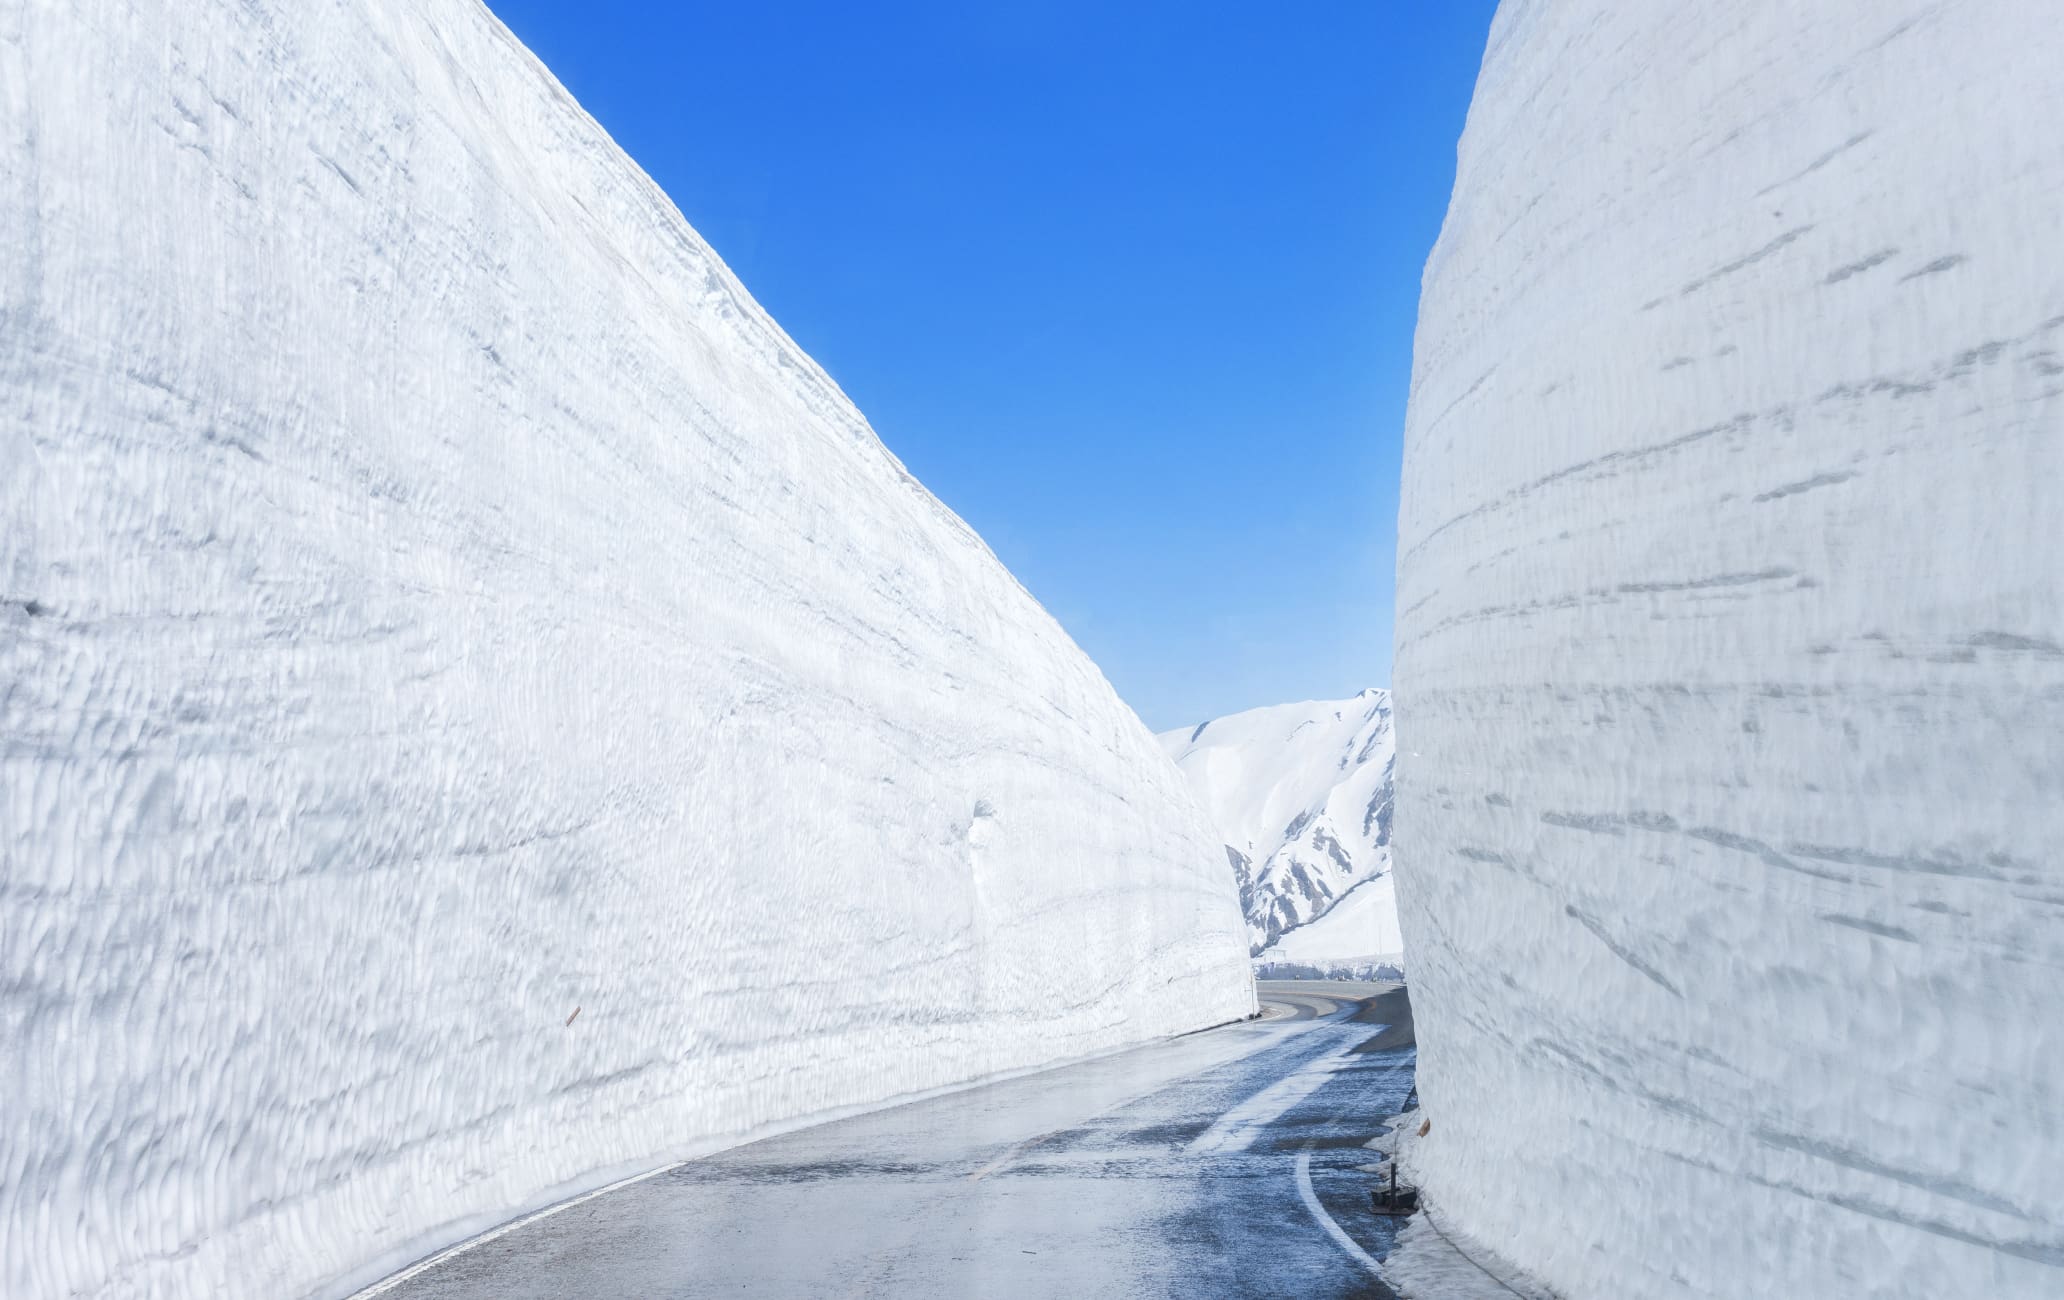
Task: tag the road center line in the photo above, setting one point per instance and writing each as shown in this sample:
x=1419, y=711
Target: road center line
x=1234, y=1129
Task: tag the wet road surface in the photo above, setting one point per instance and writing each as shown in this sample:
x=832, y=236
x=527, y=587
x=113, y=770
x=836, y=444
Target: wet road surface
x=1227, y=1163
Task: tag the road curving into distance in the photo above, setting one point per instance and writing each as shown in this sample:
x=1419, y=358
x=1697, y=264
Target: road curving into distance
x=1226, y=1163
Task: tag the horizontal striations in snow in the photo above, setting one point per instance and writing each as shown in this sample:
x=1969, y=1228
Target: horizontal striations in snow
x=479, y=710
x=1731, y=653
x=1301, y=794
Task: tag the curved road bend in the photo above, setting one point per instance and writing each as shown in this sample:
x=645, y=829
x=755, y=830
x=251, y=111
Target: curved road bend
x=1226, y=1163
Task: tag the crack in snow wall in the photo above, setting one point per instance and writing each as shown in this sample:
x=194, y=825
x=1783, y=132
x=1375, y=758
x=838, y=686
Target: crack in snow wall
x=1730, y=661
x=435, y=597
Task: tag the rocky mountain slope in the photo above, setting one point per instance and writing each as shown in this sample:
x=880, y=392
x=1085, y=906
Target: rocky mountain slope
x=1301, y=794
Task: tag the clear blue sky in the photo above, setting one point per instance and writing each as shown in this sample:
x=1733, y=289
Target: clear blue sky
x=1129, y=285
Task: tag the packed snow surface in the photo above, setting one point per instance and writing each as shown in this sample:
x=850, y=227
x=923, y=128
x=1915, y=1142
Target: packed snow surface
x=1730, y=653
x=1432, y=1258
x=482, y=713
x=1301, y=794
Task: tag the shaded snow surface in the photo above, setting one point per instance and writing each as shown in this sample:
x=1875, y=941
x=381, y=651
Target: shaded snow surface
x=1731, y=653
x=437, y=599
x=1302, y=795
x=1431, y=1258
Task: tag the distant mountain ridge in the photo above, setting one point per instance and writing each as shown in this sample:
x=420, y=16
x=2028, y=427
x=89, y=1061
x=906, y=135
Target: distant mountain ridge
x=1301, y=794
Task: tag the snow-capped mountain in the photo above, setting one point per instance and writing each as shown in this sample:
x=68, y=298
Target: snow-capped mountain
x=482, y=712
x=1301, y=794
x=1730, y=653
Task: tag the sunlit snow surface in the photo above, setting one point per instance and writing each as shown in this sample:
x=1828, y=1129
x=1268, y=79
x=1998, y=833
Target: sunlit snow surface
x=1730, y=669
x=436, y=600
x=1359, y=934
x=1301, y=794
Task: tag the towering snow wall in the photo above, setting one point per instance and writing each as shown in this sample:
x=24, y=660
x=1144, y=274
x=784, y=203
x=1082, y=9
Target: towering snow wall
x=1730, y=669
x=438, y=599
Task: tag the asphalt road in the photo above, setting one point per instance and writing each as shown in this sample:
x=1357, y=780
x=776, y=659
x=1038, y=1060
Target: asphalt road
x=1227, y=1163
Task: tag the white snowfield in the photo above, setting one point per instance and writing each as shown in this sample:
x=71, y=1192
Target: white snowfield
x=1357, y=936
x=480, y=713
x=1731, y=653
x=1301, y=794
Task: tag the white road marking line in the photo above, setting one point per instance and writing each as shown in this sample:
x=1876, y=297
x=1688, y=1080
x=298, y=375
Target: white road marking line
x=819, y=1119
x=1233, y=1130
x=422, y=1266
x=1318, y=1211
x=1018, y=1148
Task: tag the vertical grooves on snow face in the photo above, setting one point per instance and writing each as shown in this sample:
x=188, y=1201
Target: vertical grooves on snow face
x=434, y=598
x=1726, y=828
